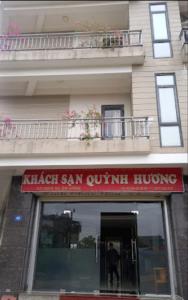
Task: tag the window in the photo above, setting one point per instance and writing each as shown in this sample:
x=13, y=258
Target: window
x=168, y=111
x=160, y=31
x=113, y=124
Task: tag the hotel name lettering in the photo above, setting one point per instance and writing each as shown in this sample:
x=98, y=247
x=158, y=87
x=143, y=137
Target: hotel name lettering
x=99, y=179
x=103, y=180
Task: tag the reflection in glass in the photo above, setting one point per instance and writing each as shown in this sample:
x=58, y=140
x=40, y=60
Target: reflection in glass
x=75, y=238
x=66, y=253
x=153, y=260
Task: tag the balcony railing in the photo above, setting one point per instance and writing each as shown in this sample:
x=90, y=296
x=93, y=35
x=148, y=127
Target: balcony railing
x=73, y=40
x=75, y=129
x=184, y=35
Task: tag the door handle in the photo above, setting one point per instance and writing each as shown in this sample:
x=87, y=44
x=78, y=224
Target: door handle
x=96, y=249
x=133, y=250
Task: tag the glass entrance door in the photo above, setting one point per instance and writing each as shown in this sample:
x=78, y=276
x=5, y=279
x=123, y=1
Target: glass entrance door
x=115, y=247
x=118, y=250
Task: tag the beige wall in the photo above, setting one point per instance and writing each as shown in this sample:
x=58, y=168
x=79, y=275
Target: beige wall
x=143, y=96
x=143, y=80
x=53, y=107
x=43, y=107
x=85, y=102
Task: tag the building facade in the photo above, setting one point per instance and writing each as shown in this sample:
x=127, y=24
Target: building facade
x=93, y=149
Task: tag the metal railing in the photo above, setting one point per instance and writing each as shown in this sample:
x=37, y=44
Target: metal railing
x=184, y=35
x=80, y=129
x=73, y=40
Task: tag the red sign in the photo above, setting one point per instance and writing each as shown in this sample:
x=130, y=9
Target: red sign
x=103, y=180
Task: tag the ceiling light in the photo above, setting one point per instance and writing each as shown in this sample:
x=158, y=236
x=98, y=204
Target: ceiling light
x=65, y=19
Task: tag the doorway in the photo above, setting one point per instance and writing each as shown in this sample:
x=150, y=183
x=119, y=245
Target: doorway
x=113, y=125
x=118, y=253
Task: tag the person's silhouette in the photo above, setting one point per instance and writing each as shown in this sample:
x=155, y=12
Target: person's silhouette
x=113, y=259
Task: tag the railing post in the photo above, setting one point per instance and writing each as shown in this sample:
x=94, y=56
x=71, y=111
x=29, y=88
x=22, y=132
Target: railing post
x=147, y=126
x=129, y=41
x=140, y=37
x=132, y=128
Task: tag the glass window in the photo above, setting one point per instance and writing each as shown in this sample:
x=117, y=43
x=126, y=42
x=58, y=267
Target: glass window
x=113, y=125
x=162, y=50
x=168, y=111
x=170, y=136
x=159, y=26
x=160, y=31
x=158, y=7
x=165, y=79
x=167, y=100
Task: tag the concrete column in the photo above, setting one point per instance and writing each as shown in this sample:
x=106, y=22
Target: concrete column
x=15, y=247
x=179, y=222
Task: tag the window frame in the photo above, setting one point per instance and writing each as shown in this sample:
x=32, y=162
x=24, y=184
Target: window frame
x=160, y=41
x=2, y=221
x=168, y=124
x=112, y=107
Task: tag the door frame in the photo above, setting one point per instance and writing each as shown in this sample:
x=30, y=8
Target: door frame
x=112, y=107
x=133, y=236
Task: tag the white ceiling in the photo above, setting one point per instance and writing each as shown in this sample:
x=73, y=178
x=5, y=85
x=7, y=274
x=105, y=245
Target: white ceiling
x=53, y=16
x=100, y=84
x=50, y=3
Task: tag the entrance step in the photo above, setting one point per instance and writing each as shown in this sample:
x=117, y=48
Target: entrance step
x=97, y=297
x=57, y=296
x=38, y=296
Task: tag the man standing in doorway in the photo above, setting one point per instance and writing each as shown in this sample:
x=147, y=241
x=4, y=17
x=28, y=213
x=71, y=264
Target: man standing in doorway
x=113, y=259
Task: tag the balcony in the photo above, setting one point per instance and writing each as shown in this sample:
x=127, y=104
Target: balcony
x=75, y=136
x=123, y=45
x=184, y=41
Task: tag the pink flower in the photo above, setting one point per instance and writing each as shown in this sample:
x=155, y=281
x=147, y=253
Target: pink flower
x=7, y=120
